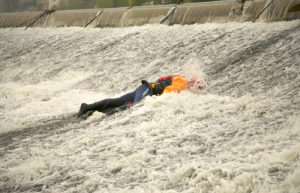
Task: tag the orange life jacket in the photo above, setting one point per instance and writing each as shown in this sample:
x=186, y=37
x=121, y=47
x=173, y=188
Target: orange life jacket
x=168, y=84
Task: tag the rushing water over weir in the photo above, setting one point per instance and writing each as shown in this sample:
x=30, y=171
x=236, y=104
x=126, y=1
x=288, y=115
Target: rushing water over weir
x=239, y=134
x=189, y=13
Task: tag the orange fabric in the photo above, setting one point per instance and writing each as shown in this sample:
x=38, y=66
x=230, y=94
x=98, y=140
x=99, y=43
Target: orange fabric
x=178, y=84
x=153, y=85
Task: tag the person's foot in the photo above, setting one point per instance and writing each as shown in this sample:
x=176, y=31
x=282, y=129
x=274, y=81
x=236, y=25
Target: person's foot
x=82, y=110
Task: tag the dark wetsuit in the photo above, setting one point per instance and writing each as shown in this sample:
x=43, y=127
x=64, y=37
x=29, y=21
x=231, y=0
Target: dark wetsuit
x=108, y=105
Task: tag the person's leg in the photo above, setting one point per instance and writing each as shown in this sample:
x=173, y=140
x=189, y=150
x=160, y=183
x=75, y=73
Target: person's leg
x=105, y=104
x=135, y=96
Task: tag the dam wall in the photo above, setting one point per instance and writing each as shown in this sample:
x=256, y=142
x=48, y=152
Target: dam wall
x=190, y=13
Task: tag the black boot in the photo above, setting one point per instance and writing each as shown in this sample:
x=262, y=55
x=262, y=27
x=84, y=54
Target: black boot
x=83, y=109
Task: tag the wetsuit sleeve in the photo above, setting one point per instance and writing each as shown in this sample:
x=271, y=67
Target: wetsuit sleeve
x=178, y=84
x=141, y=92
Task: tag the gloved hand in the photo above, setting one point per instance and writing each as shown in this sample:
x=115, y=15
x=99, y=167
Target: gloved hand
x=149, y=85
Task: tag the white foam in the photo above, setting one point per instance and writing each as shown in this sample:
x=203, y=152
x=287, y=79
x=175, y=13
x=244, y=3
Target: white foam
x=239, y=134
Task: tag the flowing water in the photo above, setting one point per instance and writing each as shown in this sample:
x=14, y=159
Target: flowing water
x=239, y=134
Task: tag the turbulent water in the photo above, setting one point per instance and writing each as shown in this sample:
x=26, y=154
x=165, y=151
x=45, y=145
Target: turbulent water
x=239, y=134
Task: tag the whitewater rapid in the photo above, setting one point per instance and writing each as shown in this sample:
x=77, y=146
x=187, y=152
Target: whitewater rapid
x=239, y=134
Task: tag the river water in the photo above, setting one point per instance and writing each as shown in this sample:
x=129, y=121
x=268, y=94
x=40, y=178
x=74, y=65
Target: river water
x=241, y=133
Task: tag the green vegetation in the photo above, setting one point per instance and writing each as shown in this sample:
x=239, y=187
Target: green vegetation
x=129, y=3
x=88, y=4
x=120, y=3
x=80, y=4
x=8, y=5
x=18, y=5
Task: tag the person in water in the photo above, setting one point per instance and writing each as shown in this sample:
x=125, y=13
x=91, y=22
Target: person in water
x=166, y=84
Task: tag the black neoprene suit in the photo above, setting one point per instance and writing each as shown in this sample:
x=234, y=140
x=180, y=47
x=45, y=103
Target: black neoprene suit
x=132, y=97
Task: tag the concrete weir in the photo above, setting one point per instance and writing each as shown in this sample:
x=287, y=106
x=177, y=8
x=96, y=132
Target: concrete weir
x=217, y=12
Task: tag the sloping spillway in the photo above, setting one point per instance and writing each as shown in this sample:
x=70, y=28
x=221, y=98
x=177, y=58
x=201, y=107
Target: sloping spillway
x=239, y=134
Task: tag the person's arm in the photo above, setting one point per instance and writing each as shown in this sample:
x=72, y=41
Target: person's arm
x=142, y=91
